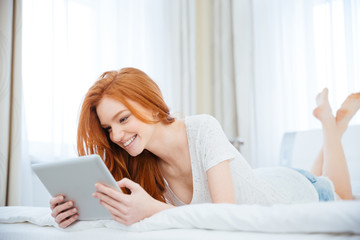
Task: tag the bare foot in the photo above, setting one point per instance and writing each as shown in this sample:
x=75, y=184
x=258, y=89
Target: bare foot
x=347, y=110
x=323, y=109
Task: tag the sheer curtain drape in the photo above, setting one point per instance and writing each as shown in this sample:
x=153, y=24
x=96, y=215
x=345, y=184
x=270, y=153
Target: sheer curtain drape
x=224, y=66
x=14, y=167
x=261, y=63
x=300, y=47
x=68, y=44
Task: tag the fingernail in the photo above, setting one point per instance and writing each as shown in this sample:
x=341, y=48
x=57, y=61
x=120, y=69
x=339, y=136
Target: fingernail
x=74, y=210
x=60, y=198
x=75, y=217
x=70, y=204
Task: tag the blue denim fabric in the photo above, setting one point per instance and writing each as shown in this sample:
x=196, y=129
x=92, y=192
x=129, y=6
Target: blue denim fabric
x=322, y=186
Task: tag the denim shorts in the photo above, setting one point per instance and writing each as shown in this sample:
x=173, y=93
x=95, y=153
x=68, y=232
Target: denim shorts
x=322, y=185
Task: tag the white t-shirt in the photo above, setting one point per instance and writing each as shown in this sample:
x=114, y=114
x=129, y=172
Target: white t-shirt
x=208, y=146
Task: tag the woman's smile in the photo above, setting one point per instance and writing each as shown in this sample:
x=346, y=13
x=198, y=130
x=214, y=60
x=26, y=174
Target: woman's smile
x=124, y=129
x=128, y=142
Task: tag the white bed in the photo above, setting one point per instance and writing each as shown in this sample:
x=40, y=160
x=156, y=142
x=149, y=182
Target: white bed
x=330, y=220
x=27, y=231
x=338, y=220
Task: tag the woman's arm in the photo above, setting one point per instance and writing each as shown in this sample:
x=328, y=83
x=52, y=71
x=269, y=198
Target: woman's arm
x=128, y=208
x=221, y=184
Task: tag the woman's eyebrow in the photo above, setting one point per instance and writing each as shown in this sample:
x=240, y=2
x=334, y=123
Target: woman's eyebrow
x=116, y=115
x=113, y=118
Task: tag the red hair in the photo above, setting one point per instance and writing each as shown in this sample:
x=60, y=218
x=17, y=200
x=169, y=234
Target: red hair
x=126, y=84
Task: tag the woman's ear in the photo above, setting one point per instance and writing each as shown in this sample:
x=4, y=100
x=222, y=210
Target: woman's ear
x=156, y=116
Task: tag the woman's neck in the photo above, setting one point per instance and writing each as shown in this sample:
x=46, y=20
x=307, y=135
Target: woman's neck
x=169, y=143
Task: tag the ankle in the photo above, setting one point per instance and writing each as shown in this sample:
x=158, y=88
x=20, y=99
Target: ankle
x=341, y=128
x=330, y=123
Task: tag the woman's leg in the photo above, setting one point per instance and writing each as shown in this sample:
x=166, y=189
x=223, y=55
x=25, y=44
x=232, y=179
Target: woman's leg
x=317, y=166
x=343, y=116
x=334, y=161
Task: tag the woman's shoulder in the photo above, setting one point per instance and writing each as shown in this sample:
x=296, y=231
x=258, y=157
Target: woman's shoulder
x=202, y=124
x=201, y=119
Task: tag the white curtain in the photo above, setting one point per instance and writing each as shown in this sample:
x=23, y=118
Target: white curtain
x=68, y=44
x=181, y=31
x=300, y=47
x=215, y=61
x=261, y=63
x=225, y=67
x=232, y=71
x=14, y=167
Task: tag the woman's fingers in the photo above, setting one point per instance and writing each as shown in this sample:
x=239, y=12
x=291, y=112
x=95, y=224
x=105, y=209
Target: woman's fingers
x=55, y=201
x=116, y=204
x=108, y=191
x=61, y=207
x=64, y=215
x=68, y=221
x=115, y=212
x=63, y=212
x=126, y=208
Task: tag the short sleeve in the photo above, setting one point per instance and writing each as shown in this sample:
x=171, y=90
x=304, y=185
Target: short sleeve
x=215, y=147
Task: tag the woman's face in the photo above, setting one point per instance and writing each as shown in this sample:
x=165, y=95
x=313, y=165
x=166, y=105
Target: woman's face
x=123, y=127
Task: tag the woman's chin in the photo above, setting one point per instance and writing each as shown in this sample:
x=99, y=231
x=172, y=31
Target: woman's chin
x=134, y=152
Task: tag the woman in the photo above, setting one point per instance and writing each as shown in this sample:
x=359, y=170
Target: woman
x=162, y=162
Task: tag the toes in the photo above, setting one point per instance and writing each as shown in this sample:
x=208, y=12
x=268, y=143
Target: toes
x=322, y=97
x=355, y=95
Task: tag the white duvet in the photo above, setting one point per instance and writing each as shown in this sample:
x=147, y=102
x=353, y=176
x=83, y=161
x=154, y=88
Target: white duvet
x=324, y=217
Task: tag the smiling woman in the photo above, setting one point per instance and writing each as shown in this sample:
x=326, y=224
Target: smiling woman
x=119, y=107
x=117, y=121
x=160, y=161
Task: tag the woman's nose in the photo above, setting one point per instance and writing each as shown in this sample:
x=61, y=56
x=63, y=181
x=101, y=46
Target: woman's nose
x=117, y=134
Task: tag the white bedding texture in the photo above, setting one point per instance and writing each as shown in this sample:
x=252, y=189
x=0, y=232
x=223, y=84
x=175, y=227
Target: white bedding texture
x=341, y=218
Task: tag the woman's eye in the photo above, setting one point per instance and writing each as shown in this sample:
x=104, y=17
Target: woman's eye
x=123, y=119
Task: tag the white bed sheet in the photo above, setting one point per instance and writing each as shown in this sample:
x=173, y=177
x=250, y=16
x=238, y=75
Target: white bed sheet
x=337, y=220
x=28, y=231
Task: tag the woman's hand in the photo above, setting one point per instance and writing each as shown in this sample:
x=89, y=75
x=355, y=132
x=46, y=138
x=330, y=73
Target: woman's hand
x=128, y=208
x=64, y=212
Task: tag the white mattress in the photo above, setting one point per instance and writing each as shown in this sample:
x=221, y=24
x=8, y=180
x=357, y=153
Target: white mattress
x=336, y=220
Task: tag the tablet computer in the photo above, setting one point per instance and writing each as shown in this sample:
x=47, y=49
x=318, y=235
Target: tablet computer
x=76, y=178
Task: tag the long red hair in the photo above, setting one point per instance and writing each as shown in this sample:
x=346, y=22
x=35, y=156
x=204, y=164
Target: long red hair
x=126, y=84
